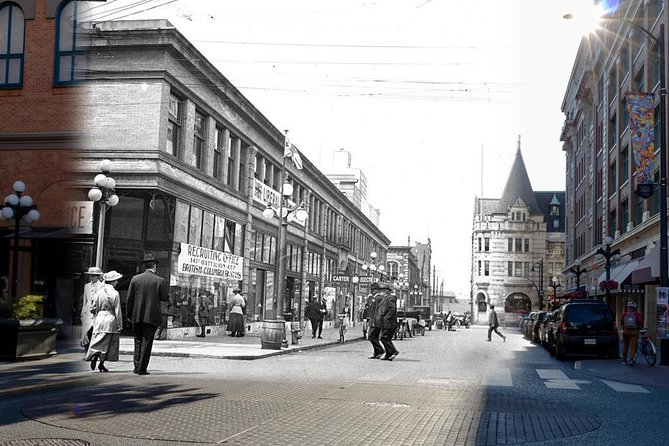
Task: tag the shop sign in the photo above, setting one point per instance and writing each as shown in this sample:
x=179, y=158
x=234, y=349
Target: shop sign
x=79, y=217
x=341, y=279
x=199, y=261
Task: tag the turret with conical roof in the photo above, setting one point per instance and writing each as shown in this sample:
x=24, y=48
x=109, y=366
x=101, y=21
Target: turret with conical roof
x=518, y=186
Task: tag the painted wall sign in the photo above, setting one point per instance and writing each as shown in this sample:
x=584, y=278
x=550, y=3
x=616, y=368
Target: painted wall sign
x=200, y=261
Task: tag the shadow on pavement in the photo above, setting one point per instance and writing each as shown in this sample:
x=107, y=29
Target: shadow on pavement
x=100, y=402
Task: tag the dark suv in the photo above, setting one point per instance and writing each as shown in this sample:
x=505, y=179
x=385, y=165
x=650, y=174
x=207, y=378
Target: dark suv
x=585, y=326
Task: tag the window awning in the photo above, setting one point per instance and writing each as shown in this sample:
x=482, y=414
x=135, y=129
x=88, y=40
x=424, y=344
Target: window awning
x=648, y=270
x=620, y=273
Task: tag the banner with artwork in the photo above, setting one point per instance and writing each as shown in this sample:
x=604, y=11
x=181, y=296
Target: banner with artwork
x=641, y=110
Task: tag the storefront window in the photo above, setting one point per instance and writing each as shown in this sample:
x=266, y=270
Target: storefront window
x=128, y=217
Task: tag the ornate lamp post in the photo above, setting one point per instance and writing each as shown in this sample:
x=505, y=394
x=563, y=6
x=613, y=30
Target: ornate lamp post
x=607, y=253
x=403, y=285
x=540, y=290
x=577, y=271
x=554, y=284
x=104, y=193
x=286, y=213
x=374, y=267
x=20, y=208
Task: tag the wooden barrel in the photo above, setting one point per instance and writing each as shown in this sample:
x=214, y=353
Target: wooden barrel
x=271, y=334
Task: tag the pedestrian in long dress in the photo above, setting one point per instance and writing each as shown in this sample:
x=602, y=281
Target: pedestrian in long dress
x=95, y=281
x=107, y=323
x=145, y=293
x=237, y=309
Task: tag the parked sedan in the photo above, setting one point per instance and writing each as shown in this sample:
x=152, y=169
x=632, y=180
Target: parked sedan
x=537, y=325
x=545, y=328
x=527, y=329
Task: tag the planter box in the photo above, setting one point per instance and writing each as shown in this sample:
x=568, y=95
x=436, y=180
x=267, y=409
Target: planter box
x=28, y=338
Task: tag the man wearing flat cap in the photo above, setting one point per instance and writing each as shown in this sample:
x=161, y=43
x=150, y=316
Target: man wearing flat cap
x=386, y=318
x=374, y=327
x=144, y=295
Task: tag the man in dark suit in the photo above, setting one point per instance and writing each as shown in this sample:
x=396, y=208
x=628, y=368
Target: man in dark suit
x=315, y=316
x=386, y=317
x=145, y=293
x=374, y=327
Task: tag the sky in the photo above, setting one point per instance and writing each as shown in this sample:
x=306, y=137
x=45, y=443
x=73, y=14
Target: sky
x=428, y=96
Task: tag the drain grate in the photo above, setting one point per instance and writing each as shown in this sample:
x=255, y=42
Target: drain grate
x=46, y=442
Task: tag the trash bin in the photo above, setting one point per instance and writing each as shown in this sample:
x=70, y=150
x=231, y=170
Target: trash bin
x=664, y=351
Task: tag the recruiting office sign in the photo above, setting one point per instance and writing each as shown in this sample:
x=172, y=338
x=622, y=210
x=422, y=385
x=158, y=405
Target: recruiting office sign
x=201, y=261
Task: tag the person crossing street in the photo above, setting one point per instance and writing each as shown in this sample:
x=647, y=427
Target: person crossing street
x=386, y=317
x=374, y=328
x=493, y=324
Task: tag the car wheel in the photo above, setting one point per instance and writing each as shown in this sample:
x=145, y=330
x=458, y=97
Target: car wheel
x=551, y=350
x=559, y=353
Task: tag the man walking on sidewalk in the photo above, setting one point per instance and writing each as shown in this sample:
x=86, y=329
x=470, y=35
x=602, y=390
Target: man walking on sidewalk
x=144, y=295
x=493, y=324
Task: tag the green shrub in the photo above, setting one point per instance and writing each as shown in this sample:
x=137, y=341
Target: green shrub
x=27, y=307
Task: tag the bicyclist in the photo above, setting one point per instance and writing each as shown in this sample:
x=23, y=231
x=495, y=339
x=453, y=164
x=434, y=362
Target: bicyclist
x=631, y=322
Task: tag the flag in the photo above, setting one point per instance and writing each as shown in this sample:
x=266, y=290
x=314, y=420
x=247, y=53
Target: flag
x=292, y=153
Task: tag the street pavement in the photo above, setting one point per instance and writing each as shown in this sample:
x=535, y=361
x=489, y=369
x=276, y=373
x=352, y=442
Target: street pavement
x=443, y=388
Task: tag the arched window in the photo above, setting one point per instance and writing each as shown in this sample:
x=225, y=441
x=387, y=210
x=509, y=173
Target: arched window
x=12, y=37
x=68, y=59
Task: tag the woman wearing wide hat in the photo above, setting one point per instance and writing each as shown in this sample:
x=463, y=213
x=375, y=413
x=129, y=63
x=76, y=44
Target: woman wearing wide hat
x=107, y=324
x=94, y=275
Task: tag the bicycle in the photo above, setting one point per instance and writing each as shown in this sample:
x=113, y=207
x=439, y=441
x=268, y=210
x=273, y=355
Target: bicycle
x=342, y=328
x=646, y=347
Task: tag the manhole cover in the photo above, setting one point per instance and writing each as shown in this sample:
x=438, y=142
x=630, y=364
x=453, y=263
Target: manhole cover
x=385, y=404
x=46, y=442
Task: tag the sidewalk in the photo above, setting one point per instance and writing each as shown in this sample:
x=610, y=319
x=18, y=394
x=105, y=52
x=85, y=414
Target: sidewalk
x=613, y=369
x=244, y=348
x=67, y=369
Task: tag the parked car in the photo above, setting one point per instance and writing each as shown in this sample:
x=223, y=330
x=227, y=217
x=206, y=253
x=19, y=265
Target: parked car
x=545, y=327
x=527, y=331
x=586, y=326
x=536, y=326
x=522, y=320
x=551, y=330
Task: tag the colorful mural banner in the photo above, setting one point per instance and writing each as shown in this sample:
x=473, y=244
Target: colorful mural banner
x=641, y=109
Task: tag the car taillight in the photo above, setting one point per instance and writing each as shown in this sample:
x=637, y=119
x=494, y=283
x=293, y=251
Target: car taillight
x=563, y=327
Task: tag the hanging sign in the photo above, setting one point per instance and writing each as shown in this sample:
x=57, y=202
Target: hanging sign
x=199, y=261
x=641, y=109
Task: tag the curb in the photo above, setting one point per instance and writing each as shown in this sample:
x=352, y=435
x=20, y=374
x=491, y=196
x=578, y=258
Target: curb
x=246, y=357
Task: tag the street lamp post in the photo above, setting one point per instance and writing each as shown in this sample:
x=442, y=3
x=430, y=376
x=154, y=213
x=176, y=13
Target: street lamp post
x=373, y=266
x=104, y=193
x=403, y=287
x=554, y=284
x=286, y=212
x=19, y=207
x=608, y=254
x=577, y=271
x=540, y=264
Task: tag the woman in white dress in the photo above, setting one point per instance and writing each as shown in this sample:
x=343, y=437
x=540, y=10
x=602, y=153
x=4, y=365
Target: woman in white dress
x=107, y=323
x=94, y=282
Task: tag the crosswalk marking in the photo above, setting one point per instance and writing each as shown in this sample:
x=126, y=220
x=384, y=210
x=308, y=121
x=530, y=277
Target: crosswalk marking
x=551, y=374
x=551, y=378
x=623, y=387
